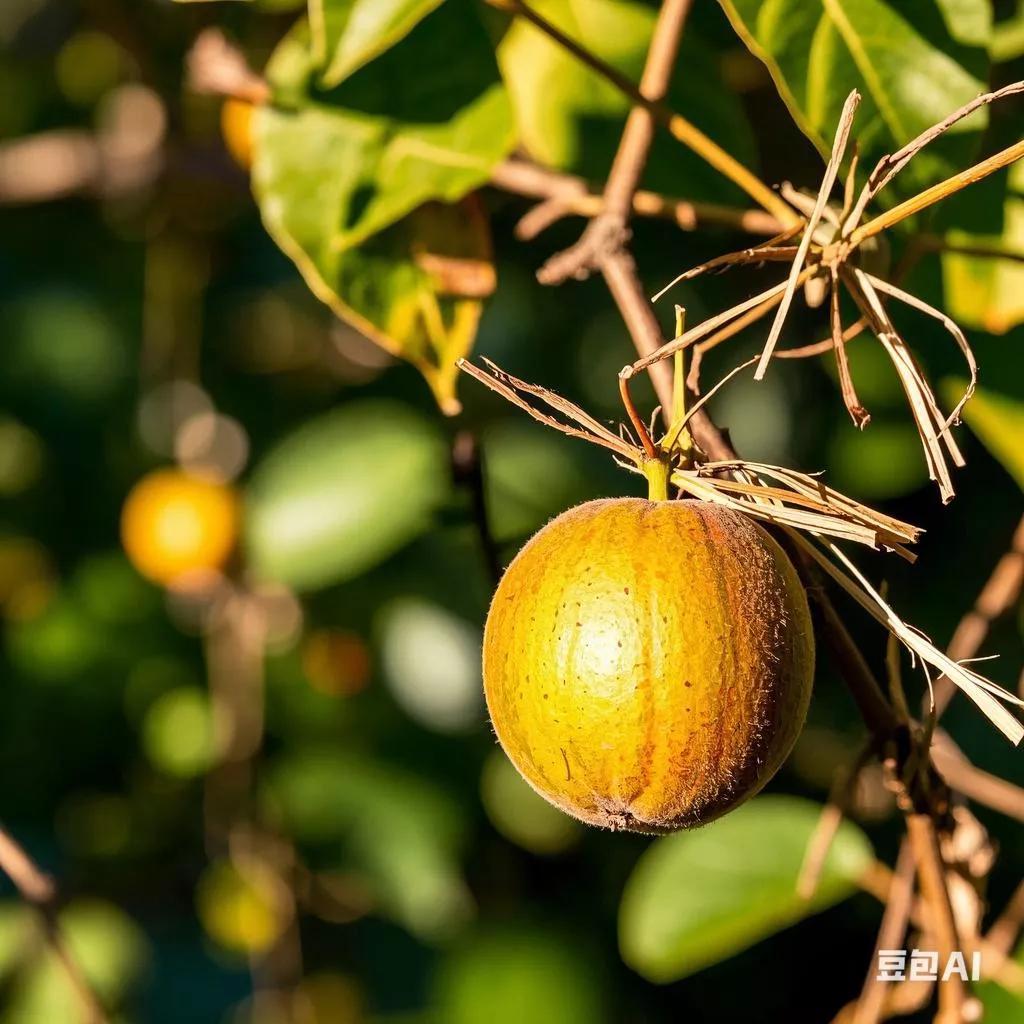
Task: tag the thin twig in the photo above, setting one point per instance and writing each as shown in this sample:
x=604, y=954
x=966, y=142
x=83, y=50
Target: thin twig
x=889, y=166
x=678, y=126
x=37, y=889
x=876, y=711
x=829, y=821
x=468, y=469
x=606, y=233
x=860, y=416
x=576, y=197
x=218, y=67
x=999, y=594
x=730, y=330
x=899, y=901
x=937, y=193
x=976, y=784
x=932, y=873
x=1006, y=928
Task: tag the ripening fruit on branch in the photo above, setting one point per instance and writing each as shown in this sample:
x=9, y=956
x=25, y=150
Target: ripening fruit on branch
x=648, y=665
x=236, y=130
x=174, y=525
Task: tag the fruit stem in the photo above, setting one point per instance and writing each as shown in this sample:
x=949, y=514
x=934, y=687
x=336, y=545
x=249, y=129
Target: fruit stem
x=634, y=417
x=657, y=473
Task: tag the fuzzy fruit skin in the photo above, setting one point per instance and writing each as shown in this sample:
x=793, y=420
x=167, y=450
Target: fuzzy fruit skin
x=174, y=525
x=648, y=665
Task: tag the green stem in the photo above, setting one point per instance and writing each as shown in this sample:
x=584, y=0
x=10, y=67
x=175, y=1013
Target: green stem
x=657, y=473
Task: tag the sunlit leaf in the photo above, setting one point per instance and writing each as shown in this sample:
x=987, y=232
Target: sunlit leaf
x=998, y=420
x=983, y=291
x=914, y=62
x=571, y=118
x=342, y=175
x=349, y=33
x=343, y=493
x=699, y=897
x=513, y=975
x=356, y=158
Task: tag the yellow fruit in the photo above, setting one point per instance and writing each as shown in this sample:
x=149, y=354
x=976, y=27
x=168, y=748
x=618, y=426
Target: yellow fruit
x=648, y=665
x=236, y=129
x=174, y=525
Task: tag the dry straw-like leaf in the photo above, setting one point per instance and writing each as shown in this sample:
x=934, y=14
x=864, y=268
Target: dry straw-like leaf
x=823, y=259
x=809, y=511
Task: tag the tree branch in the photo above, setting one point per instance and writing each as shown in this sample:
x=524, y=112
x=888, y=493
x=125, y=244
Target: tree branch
x=680, y=128
x=606, y=233
x=570, y=195
x=899, y=904
x=932, y=875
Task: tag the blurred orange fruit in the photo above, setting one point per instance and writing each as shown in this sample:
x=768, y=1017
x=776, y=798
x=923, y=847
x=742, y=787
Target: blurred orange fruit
x=174, y=526
x=236, y=128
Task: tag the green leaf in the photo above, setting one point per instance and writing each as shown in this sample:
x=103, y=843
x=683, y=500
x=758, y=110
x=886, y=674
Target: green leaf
x=349, y=33
x=341, y=178
x=914, y=62
x=343, y=493
x=400, y=830
x=531, y=477
x=571, y=118
x=982, y=291
x=1002, y=1006
x=998, y=421
x=384, y=141
x=699, y=897
x=516, y=974
x=880, y=463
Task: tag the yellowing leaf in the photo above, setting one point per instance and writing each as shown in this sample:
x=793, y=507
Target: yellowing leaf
x=345, y=180
x=985, y=291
